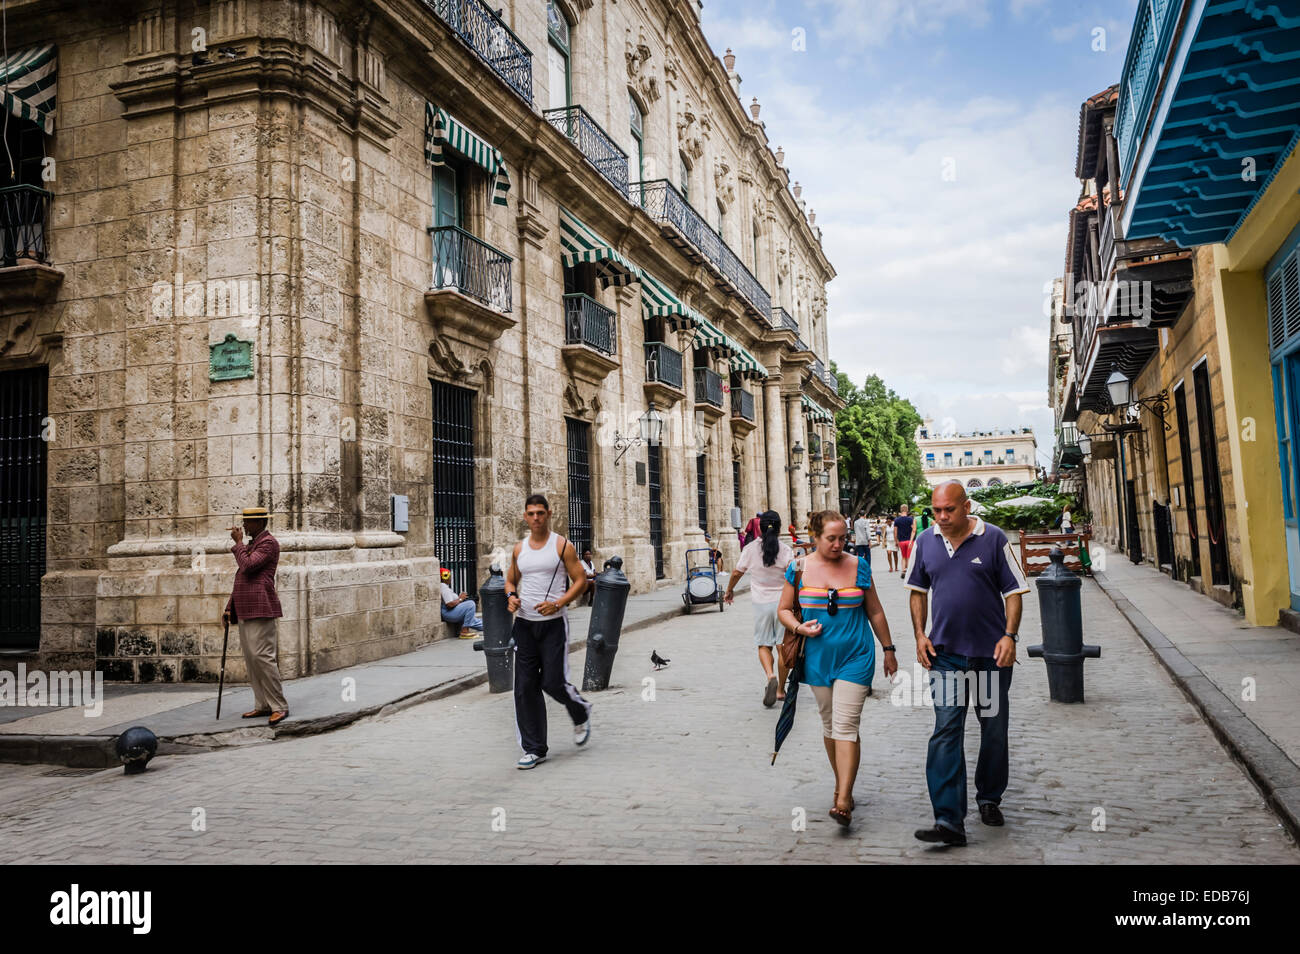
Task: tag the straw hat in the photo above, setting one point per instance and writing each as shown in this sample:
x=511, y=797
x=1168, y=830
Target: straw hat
x=256, y=513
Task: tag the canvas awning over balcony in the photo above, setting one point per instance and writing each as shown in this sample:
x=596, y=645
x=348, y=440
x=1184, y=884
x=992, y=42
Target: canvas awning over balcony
x=29, y=81
x=581, y=244
x=658, y=302
x=814, y=410
x=709, y=335
x=441, y=132
x=746, y=365
x=1209, y=109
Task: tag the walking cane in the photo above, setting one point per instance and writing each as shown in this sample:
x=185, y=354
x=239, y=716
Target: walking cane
x=222, y=683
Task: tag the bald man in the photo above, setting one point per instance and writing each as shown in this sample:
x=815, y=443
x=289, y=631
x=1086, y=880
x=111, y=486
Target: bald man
x=965, y=576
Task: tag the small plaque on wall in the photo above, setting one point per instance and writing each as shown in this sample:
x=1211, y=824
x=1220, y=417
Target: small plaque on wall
x=230, y=360
x=640, y=473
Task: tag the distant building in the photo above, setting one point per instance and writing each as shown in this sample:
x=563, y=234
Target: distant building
x=980, y=458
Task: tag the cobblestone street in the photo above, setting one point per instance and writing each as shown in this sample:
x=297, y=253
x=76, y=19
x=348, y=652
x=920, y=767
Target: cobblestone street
x=684, y=777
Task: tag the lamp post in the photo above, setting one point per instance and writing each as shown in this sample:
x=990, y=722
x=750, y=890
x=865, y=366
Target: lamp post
x=652, y=427
x=796, y=457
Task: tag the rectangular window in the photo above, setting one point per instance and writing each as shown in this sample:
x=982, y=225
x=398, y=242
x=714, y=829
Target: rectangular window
x=947, y=457
x=988, y=456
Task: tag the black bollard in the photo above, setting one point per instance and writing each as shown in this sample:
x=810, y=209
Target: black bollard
x=497, y=644
x=1062, y=647
x=606, y=624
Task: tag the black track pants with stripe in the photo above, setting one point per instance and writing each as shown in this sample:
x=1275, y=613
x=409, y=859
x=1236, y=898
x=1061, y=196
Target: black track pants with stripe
x=542, y=666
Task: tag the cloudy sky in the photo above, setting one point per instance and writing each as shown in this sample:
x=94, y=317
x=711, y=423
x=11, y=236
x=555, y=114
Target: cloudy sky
x=935, y=139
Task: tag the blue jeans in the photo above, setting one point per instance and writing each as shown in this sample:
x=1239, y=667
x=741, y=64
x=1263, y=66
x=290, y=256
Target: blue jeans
x=462, y=614
x=954, y=681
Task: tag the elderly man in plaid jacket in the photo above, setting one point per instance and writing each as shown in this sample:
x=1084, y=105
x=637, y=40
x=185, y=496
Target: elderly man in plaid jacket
x=255, y=606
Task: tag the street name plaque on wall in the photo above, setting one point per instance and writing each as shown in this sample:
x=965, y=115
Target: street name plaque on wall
x=230, y=359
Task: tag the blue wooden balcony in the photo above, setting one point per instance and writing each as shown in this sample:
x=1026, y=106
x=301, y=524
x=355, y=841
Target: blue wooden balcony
x=1209, y=108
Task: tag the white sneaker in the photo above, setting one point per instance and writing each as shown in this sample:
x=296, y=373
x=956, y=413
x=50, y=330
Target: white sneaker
x=581, y=733
x=530, y=761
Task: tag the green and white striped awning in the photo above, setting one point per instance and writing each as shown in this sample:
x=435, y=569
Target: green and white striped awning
x=814, y=410
x=441, y=132
x=709, y=335
x=658, y=302
x=29, y=82
x=581, y=244
x=746, y=365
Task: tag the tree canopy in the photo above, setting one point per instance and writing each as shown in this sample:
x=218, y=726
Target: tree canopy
x=879, y=462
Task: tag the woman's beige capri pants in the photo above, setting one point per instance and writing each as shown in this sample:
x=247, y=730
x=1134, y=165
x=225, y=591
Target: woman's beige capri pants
x=840, y=706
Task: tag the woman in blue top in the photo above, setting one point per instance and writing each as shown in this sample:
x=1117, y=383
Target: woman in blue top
x=840, y=610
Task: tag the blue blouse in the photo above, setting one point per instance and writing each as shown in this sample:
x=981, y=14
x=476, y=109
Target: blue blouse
x=846, y=648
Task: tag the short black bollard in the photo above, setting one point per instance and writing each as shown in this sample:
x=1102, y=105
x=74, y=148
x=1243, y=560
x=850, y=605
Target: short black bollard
x=606, y=624
x=1062, y=647
x=497, y=644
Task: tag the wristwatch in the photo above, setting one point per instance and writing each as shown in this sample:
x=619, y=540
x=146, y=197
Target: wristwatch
x=1015, y=637
x=887, y=649
x=512, y=595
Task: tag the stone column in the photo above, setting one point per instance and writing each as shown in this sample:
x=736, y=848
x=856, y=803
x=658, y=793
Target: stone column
x=775, y=448
x=800, y=500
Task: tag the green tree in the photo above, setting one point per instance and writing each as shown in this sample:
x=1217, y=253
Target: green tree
x=879, y=462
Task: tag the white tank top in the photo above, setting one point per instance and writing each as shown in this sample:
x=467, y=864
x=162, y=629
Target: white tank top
x=542, y=578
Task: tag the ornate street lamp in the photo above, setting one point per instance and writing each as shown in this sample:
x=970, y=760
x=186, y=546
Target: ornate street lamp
x=796, y=456
x=652, y=428
x=1085, y=444
x=824, y=478
x=1119, y=388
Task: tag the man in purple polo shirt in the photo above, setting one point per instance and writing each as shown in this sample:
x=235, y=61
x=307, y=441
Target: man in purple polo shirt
x=967, y=573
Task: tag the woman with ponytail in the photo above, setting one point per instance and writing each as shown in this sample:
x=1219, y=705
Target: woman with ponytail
x=767, y=557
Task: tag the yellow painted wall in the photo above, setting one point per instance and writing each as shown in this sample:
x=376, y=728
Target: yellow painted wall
x=1241, y=309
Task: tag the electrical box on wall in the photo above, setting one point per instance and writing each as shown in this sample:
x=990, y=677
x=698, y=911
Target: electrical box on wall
x=401, y=513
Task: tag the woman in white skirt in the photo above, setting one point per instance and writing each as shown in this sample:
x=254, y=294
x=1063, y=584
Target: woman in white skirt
x=766, y=557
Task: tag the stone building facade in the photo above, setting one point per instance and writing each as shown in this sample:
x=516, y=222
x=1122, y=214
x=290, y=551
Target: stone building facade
x=366, y=264
x=980, y=458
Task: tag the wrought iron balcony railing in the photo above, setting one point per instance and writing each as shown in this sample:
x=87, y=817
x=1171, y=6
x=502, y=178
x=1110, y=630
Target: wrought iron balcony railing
x=708, y=387
x=663, y=364
x=471, y=266
x=588, y=322
x=665, y=204
x=742, y=404
x=783, y=319
x=23, y=212
x=576, y=125
x=492, y=41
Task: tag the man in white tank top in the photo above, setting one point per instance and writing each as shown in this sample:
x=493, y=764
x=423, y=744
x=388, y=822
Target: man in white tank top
x=545, y=577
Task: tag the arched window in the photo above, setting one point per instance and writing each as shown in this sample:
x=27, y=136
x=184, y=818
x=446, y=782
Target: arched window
x=684, y=180
x=722, y=220
x=995, y=481
x=636, y=118
x=974, y=482
x=557, y=52
x=754, y=264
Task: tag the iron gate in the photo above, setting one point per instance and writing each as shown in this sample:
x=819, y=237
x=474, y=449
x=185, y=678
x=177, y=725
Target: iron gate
x=702, y=491
x=735, y=486
x=579, y=440
x=22, y=507
x=454, y=537
x=656, y=508
x=1215, y=526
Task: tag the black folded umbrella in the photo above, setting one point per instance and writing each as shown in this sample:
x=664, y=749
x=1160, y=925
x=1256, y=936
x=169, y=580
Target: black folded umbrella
x=785, y=721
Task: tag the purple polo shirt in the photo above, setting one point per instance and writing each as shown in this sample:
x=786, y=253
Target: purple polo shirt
x=967, y=587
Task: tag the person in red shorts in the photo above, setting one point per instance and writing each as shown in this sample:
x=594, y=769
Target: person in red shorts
x=905, y=529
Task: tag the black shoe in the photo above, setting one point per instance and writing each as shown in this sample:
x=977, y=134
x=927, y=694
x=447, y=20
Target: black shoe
x=940, y=833
x=991, y=815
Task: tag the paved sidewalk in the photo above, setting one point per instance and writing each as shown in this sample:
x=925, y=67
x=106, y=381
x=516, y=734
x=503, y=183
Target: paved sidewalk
x=1245, y=679
x=184, y=716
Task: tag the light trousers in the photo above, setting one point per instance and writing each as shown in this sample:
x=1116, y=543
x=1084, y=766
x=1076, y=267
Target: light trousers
x=258, y=639
x=840, y=706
